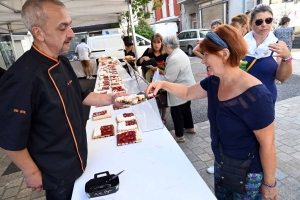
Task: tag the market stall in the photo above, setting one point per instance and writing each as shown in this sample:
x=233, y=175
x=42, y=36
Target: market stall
x=154, y=167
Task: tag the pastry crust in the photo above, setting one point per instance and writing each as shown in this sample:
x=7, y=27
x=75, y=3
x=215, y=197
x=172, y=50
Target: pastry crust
x=101, y=115
x=125, y=117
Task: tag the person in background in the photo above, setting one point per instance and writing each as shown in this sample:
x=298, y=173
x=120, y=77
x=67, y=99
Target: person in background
x=129, y=53
x=236, y=100
x=285, y=33
x=248, y=13
x=241, y=23
x=268, y=57
x=84, y=53
x=197, y=49
x=215, y=23
x=178, y=70
x=41, y=105
x=157, y=52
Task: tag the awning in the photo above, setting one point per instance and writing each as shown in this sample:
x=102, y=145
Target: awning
x=82, y=12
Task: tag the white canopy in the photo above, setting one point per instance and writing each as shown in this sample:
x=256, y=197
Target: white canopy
x=82, y=12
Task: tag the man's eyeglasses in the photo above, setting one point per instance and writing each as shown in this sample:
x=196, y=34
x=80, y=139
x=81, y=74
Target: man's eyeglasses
x=260, y=21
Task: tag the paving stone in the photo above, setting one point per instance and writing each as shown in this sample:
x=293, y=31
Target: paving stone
x=288, y=142
x=298, y=141
x=296, y=155
x=280, y=175
x=297, y=147
x=291, y=183
x=192, y=157
x=23, y=185
x=40, y=198
x=35, y=194
x=197, y=140
x=3, y=180
x=191, y=145
x=24, y=193
x=204, y=174
x=293, y=131
x=280, y=132
x=204, y=157
x=283, y=156
x=287, y=168
x=279, y=137
x=182, y=145
x=25, y=198
x=199, y=165
x=15, y=182
x=10, y=192
x=277, y=143
x=2, y=190
x=204, y=144
x=197, y=150
x=209, y=150
x=207, y=139
x=14, y=176
x=211, y=182
x=295, y=163
x=287, y=193
x=187, y=151
x=286, y=149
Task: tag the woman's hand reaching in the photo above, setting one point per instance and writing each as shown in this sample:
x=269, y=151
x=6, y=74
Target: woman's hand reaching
x=280, y=49
x=154, y=87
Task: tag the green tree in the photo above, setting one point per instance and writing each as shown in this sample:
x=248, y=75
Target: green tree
x=144, y=29
x=138, y=11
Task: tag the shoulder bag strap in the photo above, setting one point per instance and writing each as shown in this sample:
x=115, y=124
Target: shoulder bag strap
x=251, y=65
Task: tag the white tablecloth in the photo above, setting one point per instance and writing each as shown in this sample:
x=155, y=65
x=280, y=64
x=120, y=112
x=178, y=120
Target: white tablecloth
x=79, y=69
x=155, y=168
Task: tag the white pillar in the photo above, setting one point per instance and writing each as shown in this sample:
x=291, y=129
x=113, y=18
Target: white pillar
x=12, y=42
x=132, y=28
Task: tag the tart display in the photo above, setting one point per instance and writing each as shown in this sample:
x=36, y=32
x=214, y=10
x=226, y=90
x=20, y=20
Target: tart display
x=104, y=131
x=101, y=115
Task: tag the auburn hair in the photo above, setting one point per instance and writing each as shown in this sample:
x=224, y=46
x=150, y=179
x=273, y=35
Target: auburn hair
x=237, y=46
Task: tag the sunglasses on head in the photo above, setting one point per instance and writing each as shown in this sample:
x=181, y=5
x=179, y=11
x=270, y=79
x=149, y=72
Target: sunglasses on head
x=260, y=21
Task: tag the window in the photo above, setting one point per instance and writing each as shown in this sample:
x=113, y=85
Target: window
x=193, y=34
x=180, y=36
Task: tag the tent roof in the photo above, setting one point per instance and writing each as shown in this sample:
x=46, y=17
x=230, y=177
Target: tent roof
x=82, y=12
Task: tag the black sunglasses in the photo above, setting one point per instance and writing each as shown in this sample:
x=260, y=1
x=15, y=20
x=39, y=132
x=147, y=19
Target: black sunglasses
x=260, y=21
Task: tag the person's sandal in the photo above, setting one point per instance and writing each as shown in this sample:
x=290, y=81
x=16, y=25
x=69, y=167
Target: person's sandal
x=180, y=139
x=191, y=131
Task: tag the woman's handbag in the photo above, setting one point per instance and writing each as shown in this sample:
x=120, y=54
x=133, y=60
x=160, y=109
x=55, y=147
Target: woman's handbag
x=234, y=172
x=161, y=99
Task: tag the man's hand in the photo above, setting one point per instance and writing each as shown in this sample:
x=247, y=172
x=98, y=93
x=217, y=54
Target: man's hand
x=34, y=181
x=113, y=99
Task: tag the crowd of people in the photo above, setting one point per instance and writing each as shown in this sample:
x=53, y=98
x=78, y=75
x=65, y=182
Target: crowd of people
x=47, y=126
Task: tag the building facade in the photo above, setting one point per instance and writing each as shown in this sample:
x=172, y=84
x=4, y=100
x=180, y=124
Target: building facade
x=200, y=13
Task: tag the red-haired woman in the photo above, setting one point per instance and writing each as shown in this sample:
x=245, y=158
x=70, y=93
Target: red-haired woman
x=240, y=112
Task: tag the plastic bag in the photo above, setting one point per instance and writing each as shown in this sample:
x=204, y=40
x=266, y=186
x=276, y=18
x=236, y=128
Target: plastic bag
x=157, y=76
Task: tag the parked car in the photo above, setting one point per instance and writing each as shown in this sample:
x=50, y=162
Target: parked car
x=189, y=38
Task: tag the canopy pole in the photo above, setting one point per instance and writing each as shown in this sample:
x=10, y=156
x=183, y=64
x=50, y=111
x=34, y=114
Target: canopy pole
x=132, y=29
x=12, y=42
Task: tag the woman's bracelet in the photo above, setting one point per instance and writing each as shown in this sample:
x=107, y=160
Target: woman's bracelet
x=287, y=60
x=270, y=186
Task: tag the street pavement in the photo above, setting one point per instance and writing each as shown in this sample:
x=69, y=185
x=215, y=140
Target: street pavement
x=197, y=146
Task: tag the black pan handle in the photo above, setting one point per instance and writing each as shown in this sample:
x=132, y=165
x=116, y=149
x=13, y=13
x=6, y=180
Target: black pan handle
x=96, y=175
